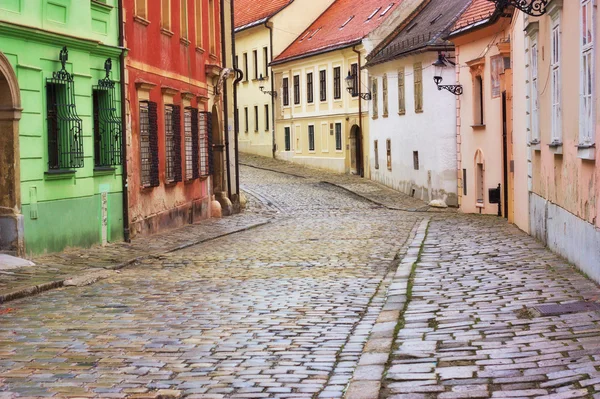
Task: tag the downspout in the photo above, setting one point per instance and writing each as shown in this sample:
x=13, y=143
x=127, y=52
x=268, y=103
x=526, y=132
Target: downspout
x=360, y=156
x=126, y=235
x=236, y=122
x=272, y=78
x=225, y=107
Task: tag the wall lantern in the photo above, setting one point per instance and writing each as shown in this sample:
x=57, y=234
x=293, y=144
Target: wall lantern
x=350, y=86
x=261, y=82
x=441, y=63
x=535, y=8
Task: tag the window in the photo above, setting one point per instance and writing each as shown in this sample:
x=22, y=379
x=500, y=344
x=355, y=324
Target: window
x=388, y=151
x=211, y=27
x=416, y=160
x=165, y=18
x=478, y=101
x=288, y=139
x=401, y=93
x=255, y=60
x=418, y=76
x=188, y=142
x=267, y=117
x=286, y=92
x=246, y=119
x=149, y=143
x=323, y=85
x=376, y=155
x=354, y=73
x=311, y=138
x=464, y=182
x=256, y=118
x=141, y=8
x=184, y=19
x=309, y=88
x=587, y=77
x=173, y=143
x=338, y=136
x=555, y=54
x=535, y=113
x=385, y=95
x=245, y=67
x=266, y=58
x=198, y=24
x=107, y=126
x=374, y=97
x=205, y=143
x=337, y=83
x=480, y=186
x=296, y=89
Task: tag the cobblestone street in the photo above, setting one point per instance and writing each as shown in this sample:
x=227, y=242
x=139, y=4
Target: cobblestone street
x=322, y=298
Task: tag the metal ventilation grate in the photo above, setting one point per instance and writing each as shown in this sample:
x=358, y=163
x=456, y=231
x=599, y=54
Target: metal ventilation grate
x=566, y=308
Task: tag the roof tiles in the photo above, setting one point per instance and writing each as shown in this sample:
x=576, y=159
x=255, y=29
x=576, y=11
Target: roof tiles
x=479, y=10
x=248, y=12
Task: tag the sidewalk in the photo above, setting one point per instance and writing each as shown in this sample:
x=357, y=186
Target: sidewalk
x=368, y=189
x=52, y=270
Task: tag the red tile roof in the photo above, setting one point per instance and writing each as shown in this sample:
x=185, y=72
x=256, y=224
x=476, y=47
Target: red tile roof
x=479, y=10
x=247, y=12
x=326, y=32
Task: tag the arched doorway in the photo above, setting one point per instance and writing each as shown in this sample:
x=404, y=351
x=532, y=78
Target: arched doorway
x=11, y=220
x=356, y=164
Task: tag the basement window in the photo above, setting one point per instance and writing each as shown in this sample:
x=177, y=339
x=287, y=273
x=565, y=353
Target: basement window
x=347, y=22
x=373, y=14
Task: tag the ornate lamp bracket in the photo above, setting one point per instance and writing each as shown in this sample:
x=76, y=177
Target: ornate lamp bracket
x=535, y=8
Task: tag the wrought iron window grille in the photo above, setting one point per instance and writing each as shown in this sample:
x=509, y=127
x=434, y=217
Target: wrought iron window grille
x=192, y=144
x=205, y=165
x=148, y=119
x=173, y=143
x=65, y=137
x=107, y=124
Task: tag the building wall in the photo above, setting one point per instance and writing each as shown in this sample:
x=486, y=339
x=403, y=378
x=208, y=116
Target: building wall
x=299, y=116
x=184, y=75
x=431, y=133
x=66, y=209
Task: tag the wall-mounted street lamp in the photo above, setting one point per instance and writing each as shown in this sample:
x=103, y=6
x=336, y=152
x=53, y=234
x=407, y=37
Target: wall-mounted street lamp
x=535, y=8
x=350, y=82
x=441, y=63
x=261, y=82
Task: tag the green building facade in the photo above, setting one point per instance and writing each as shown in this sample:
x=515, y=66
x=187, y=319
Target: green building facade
x=66, y=174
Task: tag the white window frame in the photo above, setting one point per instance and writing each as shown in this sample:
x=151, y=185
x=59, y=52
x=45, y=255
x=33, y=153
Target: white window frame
x=587, y=80
x=555, y=56
x=535, y=94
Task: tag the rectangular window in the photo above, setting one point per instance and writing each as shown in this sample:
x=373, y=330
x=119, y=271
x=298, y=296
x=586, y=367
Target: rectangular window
x=205, y=143
x=376, y=155
x=388, y=151
x=555, y=54
x=141, y=8
x=149, y=143
x=256, y=118
x=173, y=143
x=354, y=73
x=286, y=92
x=401, y=93
x=464, y=182
x=587, y=77
x=385, y=95
x=255, y=62
x=246, y=125
x=338, y=137
x=323, y=85
x=374, y=98
x=245, y=66
x=198, y=25
x=212, y=27
x=418, y=76
x=337, y=83
x=267, y=117
x=107, y=128
x=309, y=88
x=478, y=101
x=189, y=143
x=535, y=110
x=288, y=139
x=296, y=89
x=165, y=17
x=184, y=19
x=266, y=58
x=416, y=160
x=311, y=138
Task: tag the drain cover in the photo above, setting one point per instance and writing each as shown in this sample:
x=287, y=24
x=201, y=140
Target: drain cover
x=573, y=307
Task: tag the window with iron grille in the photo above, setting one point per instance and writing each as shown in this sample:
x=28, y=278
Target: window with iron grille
x=286, y=92
x=205, y=143
x=311, y=138
x=267, y=117
x=148, y=118
x=296, y=89
x=309, y=88
x=337, y=83
x=246, y=119
x=173, y=143
x=323, y=85
x=256, y=118
x=65, y=138
x=338, y=136
x=107, y=124
x=188, y=142
x=255, y=60
x=354, y=73
x=288, y=139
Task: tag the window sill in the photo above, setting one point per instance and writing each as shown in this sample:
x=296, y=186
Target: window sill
x=184, y=41
x=418, y=111
x=402, y=113
x=147, y=188
x=385, y=115
x=59, y=174
x=166, y=32
x=191, y=181
x=374, y=117
x=556, y=147
x=586, y=152
x=212, y=56
x=478, y=126
x=104, y=170
x=200, y=50
x=535, y=145
x=171, y=184
x=141, y=20
x=101, y=5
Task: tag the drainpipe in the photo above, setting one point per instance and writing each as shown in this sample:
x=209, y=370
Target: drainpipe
x=272, y=78
x=236, y=122
x=225, y=107
x=126, y=235
x=362, y=166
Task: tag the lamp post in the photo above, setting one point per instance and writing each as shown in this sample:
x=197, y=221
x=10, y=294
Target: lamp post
x=439, y=66
x=535, y=8
x=261, y=82
x=350, y=86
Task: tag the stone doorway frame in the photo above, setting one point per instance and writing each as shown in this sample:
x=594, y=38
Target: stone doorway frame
x=11, y=219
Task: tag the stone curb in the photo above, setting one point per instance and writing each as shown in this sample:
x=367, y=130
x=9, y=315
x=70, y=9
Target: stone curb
x=38, y=289
x=366, y=381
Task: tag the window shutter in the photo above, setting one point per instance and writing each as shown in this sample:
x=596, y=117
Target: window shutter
x=195, y=144
x=177, y=171
x=153, y=139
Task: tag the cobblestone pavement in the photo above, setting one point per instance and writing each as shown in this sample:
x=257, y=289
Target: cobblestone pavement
x=472, y=330
x=282, y=310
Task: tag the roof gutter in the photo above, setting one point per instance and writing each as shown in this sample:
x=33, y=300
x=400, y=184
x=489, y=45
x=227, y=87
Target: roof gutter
x=126, y=232
x=316, y=52
x=272, y=78
x=416, y=50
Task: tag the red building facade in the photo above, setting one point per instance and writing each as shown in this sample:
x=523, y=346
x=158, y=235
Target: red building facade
x=174, y=111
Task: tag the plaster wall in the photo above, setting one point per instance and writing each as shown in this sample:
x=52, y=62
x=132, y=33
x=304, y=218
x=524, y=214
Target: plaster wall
x=431, y=133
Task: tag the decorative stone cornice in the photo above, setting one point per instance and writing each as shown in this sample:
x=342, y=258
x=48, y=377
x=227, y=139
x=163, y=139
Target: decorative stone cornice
x=554, y=8
x=144, y=86
x=476, y=66
x=532, y=28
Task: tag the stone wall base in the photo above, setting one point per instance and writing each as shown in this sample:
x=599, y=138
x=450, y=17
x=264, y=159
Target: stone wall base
x=11, y=234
